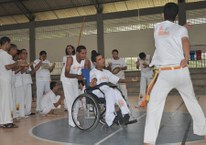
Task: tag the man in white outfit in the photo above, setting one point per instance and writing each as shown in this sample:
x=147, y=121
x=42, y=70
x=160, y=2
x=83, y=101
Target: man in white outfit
x=142, y=63
x=51, y=100
x=113, y=96
x=27, y=82
x=13, y=51
x=171, y=57
x=6, y=66
x=72, y=69
x=43, y=68
x=69, y=51
x=118, y=63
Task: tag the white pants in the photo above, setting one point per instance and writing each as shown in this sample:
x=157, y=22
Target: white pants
x=123, y=88
x=14, y=111
x=28, y=98
x=5, y=101
x=113, y=97
x=167, y=80
x=42, y=87
x=20, y=100
x=70, y=93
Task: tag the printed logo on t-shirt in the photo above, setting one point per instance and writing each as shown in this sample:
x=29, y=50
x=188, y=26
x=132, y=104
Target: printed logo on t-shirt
x=163, y=31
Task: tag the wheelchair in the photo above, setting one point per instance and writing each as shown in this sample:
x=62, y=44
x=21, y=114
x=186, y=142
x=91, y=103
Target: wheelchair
x=88, y=110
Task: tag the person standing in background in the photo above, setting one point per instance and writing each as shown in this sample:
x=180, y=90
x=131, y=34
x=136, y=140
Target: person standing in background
x=14, y=52
x=142, y=63
x=27, y=82
x=43, y=67
x=69, y=51
x=73, y=73
x=6, y=66
x=117, y=66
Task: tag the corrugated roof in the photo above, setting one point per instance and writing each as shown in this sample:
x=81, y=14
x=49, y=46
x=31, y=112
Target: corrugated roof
x=20, y=11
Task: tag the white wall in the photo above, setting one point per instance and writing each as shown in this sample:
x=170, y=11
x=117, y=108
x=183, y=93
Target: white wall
x=128, y=43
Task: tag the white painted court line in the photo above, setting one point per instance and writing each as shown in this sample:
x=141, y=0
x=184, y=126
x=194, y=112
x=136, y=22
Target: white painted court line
x=109, y=136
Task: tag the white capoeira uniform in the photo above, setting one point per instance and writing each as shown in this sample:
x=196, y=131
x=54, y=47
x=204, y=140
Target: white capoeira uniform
x=112, y=95
x=27, y=81
x=47, y=102
x=13, y=80
x=169, y=52
x=63, y=76
x=70, y=85
x=20, y=94
x=146, y=74
x=43, y=79
x=5, y=89
x=120, y=63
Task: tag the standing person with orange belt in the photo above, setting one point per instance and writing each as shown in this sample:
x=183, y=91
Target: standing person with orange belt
x=171, y=57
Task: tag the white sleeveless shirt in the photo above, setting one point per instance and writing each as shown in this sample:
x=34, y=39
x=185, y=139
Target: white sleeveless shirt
x=76, y=68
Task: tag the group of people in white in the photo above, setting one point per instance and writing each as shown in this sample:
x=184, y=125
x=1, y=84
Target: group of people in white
x=16, y=81
x=170, y=57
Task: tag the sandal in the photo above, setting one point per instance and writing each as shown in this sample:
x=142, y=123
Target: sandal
x=10, y=125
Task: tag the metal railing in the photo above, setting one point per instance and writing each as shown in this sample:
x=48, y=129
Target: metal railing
x=131, y=64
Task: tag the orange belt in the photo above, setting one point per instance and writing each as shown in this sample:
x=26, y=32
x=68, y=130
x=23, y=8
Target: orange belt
x=170, y=68
x=149, y=88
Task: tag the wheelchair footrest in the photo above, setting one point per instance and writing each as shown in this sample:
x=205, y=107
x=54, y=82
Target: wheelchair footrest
x=131, y=122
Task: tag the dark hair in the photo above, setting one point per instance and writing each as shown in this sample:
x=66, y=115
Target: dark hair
x=21, y=50
x=170, y=11
x=13, y=46
x=81, y=82
x=4, y=39
x=53, y=84
x=42, y=52
x=115, y=50
x=73, y=50
x=18, y=51
x=142, y=55
x=80, y=48
x=94, y=55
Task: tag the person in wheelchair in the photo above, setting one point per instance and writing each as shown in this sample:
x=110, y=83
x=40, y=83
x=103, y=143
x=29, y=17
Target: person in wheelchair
x=112, y=95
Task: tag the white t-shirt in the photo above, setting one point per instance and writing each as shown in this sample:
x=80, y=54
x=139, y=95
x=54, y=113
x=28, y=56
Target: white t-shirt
x=43, y=73
x=103, y=76
x=118, y=63
x=5, y=59
x=48, y=100
x=141, y=62
x=168, y=44
x=27, y=77
x=76, y=68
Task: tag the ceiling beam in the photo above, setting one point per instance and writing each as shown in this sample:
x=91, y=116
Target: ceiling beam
x=115, y=15
x=24, y=10
x=60, y=8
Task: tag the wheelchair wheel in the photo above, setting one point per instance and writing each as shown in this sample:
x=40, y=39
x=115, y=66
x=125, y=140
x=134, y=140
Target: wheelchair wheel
x=85, y=112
